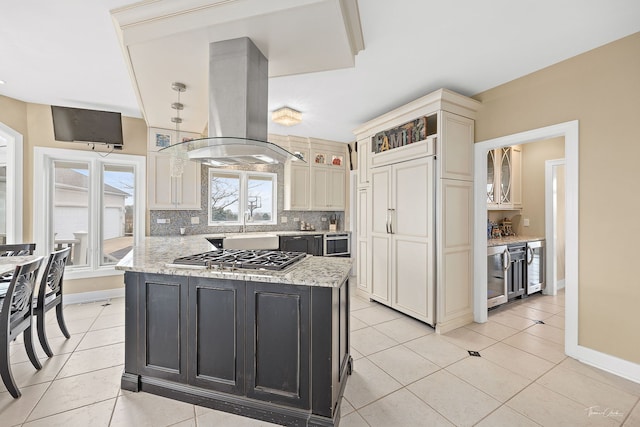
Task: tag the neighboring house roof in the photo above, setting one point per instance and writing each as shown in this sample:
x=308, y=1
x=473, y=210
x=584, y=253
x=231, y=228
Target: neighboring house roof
x=71, y=178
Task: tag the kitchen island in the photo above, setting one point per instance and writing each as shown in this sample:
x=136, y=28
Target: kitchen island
x=271, y=345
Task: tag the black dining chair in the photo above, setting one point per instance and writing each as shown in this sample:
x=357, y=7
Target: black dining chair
x=16, y=315
x=50, y=296
x=17, y=249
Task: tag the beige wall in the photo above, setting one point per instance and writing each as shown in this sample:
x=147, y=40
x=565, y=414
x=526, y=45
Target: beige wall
x=601, y=89
x=534, y=156
x=35, y=123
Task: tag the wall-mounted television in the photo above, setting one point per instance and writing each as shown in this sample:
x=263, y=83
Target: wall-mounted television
x=91, y=126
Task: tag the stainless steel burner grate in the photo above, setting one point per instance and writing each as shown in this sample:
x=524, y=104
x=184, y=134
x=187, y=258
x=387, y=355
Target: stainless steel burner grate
x=242, y=258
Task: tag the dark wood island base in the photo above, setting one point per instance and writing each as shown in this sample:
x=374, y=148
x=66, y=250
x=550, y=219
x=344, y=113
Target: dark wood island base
x=271, y=351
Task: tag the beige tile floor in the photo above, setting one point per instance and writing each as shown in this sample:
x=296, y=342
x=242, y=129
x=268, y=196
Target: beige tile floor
x=405, y=375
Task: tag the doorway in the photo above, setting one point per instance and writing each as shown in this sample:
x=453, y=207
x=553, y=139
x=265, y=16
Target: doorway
x=569, y=131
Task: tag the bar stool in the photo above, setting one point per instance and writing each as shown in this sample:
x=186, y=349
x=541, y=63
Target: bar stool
x=16, y=315
x=50, y=296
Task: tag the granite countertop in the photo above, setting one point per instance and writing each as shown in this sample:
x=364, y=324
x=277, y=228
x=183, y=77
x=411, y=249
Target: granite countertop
x=512, y=239
x=155, y=252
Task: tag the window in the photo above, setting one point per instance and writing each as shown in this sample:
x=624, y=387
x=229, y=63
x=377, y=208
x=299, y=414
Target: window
x=90, y=203
x=239, y=197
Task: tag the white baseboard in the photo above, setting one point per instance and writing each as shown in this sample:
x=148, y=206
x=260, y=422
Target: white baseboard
x=83, y=297
x=606, y=362
x=560, y=284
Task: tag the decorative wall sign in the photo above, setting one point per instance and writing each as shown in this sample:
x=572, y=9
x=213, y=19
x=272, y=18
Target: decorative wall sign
x=400, y=136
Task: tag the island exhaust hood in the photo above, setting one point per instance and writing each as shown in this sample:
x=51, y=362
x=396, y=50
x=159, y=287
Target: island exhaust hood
x=238, y=110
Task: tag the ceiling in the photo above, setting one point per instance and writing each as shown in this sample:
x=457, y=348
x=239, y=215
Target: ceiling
x=73, y=53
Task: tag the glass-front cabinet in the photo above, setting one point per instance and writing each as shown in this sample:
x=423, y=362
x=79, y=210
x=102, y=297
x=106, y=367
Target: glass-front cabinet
x=505, y=175
x=504, y=178
x=491, y=183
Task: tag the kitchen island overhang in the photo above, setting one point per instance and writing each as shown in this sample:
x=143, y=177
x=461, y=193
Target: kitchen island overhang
x=271, y=345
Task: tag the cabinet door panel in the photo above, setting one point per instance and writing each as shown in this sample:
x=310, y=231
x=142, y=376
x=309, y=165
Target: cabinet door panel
x=413, y=198
x=335, y=189
x=167, y=192
x=163, y=312
x=363, y=161
x=218, y=360
x=298, y=194
x=413, y=277
x=380, y=256
x=319, y=177
x=161, y=185
x=278, y=347
x=457, y=147
x=380, y=199
x=188, y=187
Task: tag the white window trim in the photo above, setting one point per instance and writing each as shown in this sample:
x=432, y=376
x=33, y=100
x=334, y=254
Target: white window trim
x=244, y=179
x=43, y=186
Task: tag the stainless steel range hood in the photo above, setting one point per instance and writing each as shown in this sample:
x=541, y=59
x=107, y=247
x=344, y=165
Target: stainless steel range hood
x=238, y=109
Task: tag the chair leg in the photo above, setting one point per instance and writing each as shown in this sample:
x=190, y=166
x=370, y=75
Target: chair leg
x=42, y=333
x=60, y=317
x=28, y=345
x=5, y=371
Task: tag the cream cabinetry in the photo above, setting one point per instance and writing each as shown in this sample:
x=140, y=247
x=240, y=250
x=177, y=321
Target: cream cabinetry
x=362, y=148
x=166, y=192
x=320, y=183
x=297, y=177
x=415, y=249
x=402, y=237
x=327, y=189
x=504, y=178
x=363, y=220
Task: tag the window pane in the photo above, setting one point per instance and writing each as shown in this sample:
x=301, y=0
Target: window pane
x=224, y=194
x=117, y=212
x=71, y=210
x=260, y=206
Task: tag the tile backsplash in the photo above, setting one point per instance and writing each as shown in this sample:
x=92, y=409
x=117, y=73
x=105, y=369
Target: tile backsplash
x=183, y=218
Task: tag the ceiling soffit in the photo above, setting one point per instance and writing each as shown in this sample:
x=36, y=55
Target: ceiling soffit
x=166, y=41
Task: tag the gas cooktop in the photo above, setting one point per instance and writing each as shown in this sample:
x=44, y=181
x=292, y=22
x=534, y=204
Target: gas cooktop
x=242, y=258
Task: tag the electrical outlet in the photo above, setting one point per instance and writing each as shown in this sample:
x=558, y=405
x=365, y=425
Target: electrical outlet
x=164, y=221
x=296, y=219
x=284, y=219
x=323, y=219
x=195, y=220
x=525, y=222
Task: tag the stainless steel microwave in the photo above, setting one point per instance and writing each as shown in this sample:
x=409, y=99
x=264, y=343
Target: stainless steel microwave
x=337, y=244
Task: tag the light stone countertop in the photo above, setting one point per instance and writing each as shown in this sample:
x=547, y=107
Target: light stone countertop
x=508, y=240
x=156, y=252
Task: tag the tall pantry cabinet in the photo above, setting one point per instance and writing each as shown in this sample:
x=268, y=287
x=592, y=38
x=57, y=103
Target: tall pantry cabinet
x=415, y=207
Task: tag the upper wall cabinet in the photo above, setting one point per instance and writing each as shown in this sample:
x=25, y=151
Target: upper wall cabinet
x=165, y=192
x=320, y=183
x=504, y=178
